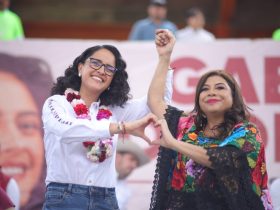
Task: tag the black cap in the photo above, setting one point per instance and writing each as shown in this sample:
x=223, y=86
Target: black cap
x=158, y=2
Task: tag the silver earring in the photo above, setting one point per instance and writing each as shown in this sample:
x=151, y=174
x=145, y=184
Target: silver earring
x=79, y=74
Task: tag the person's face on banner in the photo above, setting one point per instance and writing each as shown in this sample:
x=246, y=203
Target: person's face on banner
x=21, y=144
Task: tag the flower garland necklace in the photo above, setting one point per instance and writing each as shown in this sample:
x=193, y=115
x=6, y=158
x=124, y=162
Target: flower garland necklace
x=97, y=151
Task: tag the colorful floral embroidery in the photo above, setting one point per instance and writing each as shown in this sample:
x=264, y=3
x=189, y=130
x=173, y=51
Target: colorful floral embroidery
x=244, y=136
x=238, y=133
x=192, y=136
x=179, y=177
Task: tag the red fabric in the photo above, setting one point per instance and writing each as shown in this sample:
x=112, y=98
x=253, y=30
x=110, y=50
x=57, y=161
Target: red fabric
x=4, y=180
x=5, y=201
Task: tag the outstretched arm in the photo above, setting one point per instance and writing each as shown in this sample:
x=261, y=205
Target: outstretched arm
x=165, y=41
x=135, y=128
x=197, y=153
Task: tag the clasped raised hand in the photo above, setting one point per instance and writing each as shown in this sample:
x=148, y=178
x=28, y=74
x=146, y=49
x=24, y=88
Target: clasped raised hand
x=165, y=42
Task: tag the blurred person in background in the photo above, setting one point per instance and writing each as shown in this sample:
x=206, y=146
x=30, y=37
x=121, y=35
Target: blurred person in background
x=25, y=84
x=10, y=186
x=194, y=30
x=10, y=23
x=129, y=157
x=276, y=35
x=144, y=29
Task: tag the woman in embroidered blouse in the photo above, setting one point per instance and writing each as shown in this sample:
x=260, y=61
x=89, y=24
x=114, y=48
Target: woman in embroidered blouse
x=89, y=106
x=212, y=158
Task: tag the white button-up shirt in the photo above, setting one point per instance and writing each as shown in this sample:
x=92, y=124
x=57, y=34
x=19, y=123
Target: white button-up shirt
x=64, y=134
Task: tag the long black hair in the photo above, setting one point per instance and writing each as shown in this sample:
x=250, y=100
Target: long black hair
x=237, y=113
x=116, y=95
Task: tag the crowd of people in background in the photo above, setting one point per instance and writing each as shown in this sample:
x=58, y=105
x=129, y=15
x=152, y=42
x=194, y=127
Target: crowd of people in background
x=11, y=27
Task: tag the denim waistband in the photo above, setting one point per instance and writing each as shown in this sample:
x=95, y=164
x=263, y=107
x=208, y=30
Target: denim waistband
x=81, y=188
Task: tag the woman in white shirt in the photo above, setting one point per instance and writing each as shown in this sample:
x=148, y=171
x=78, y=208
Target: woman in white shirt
x=89, y=106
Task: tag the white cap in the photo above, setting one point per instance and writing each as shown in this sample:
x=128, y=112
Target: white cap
x=133, y=148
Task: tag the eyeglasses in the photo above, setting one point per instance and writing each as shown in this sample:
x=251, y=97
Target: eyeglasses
x=97, y=64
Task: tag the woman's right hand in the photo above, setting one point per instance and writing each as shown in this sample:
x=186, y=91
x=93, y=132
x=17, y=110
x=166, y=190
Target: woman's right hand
x=165, y=42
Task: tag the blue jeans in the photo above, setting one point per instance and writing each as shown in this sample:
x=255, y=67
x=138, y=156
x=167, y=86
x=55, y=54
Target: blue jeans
x=79, y=197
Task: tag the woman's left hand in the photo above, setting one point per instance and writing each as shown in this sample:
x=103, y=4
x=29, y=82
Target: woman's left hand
x=166, y=138
x=165, y=42
x=137, y=127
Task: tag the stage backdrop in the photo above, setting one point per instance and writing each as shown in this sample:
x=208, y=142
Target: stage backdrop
x=254, y=63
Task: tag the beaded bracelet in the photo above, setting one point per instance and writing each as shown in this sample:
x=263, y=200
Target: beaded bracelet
x=121, y=129
x=123, y=126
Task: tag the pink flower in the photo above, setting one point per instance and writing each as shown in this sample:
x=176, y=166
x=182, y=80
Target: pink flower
x=103, y=114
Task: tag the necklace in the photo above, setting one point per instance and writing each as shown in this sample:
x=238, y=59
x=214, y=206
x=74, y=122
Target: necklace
x=97, y=151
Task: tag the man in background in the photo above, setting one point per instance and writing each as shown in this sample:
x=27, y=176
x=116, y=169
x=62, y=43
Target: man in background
x=145, y=29
x=129, y=157
x=10, y=23
x=194, y=30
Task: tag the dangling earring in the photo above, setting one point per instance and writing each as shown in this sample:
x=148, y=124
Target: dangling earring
x=108, y=88
x=79, y=74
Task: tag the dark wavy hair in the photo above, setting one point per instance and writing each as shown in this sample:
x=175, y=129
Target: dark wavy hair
x=118, y=92
x=237, y=113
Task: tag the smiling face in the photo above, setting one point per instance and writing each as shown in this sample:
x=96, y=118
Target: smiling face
x=215, y=97
x=97, y=81
x=21, y=144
